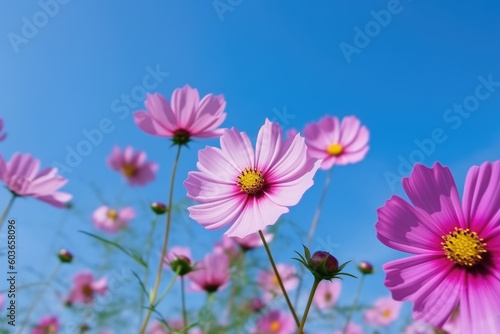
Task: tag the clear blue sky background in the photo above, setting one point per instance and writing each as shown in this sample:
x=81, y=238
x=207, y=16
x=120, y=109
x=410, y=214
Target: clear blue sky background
x=267, y=58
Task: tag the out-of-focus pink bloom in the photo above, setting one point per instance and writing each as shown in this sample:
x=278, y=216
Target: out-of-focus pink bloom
x=227, y=246
x=384, y=312
x=22, y=176
x=269, y=282
x=352, y=328
x=111, y=220
x=253, y=240
x=327, y=294
x=132, y=165
x=178, y=252
x=275, y=322
x=85, y=288
x=337, y=143
x=455, y=246
x=184, y=117
x=2, y=299
x=2, y=135
x=257, y=304
x=211, y=274
x=420, y=328
x=246, y=189
x=47, y=325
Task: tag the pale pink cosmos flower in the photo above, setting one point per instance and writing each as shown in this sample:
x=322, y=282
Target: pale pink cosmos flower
x=22, y=176
x=420, y=328
x=47, y=325
x=352, y=328
x=112, y=220
x=269, y=283
x=248, y=189
x=177, y=252
x=275, y=322
x=455, y=246
x=327, y=294
x=337, y=143
x=184, y=117
x=132, y=165
x=85, y=288
x=384, y=312
x=2, y=135
x=211, y=274
x=227, y=246
x=253, y=240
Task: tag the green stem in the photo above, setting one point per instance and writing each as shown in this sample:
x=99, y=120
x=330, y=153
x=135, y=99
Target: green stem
x=154, y=293
x=39, y=296
x=290, y=306
x=309, y=302
x=312, y=229
x=7, y=209
x=149, y=244
x=354, y=303
x=183, y=301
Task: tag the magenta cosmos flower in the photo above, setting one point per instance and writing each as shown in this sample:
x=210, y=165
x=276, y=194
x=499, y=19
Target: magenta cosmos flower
x=455, y=246
x=384, y=312
x=112, y=220
x=275, y=322
x=337, y=143
x=211, y=274
x=47, y=325
x=85, y=288
x=132, y=165
x=269, y=282
x=327, y=294
x=248, y=189
x=23, y=178
x=185, y=117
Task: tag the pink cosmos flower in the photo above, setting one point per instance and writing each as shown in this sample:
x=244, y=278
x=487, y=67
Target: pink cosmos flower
x=419, y=328
x=211, y=274
x=227, y=246
x=352, y=328
x=22, y=176
x=275, y=322
x=384, y=312
x=2, y=135
x=455, y=246
x=268, y=281
x=85, y=288
x=337, y=143
x=327, y=294
x=248, y=189
x=112, y=220
x=177, y=252
x=133, y=165
x=47, y=325
x=253, y=240
x=185, y=117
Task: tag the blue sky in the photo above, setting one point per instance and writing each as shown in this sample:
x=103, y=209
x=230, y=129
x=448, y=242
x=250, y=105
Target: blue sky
x=277, y=60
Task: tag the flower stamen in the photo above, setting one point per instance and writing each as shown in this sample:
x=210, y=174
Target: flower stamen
x=335, y=149
x=464, y=247
x=129, y=170
x=112, y=214
x=251, y=181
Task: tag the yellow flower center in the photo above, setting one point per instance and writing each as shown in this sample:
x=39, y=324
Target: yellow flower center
x=275, y=280
x=386, y=313
x=335, y=149
x=275, y=326
x=129, y=170
x=251, y=181
x=463, y=247
x=112, y=214
x=51, y=329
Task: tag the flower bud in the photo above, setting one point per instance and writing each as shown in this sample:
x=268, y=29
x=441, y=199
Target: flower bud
x=365, y=267
x=182, y=265
x=158, y=208
x=325, y=263
x=65, y=256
